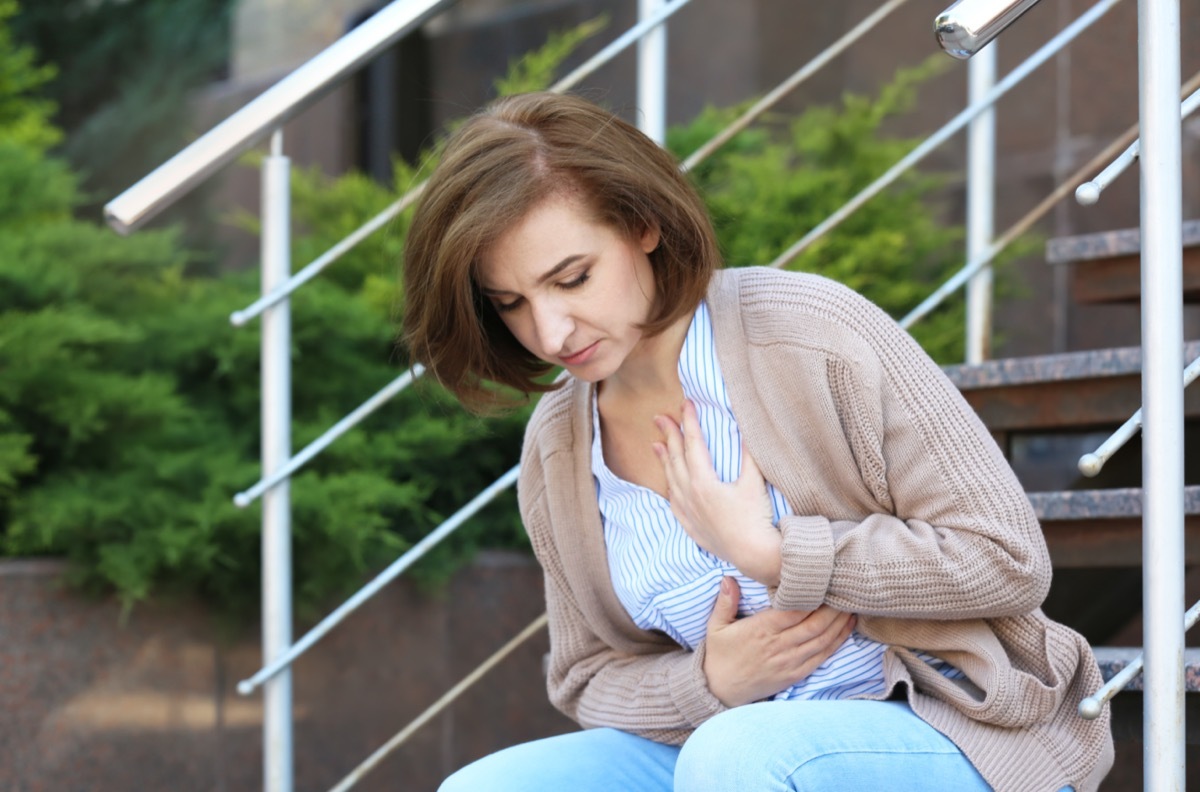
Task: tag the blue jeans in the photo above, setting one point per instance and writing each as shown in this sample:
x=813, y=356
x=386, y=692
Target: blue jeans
x=777, y=746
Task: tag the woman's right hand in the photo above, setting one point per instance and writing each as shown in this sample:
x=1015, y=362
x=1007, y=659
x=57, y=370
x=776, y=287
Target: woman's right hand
x=756, y=657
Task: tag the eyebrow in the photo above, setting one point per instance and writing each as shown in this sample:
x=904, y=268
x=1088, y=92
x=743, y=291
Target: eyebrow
x=550, y=273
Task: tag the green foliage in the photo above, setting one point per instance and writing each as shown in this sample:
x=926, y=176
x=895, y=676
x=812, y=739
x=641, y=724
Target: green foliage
x=25, y=121
x=767, y=188
x=126, y=70
x=534, y=70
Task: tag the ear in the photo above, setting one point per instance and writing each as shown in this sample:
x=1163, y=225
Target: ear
x=650, y=238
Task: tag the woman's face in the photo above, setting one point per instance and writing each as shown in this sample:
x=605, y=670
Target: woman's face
x=572, y=291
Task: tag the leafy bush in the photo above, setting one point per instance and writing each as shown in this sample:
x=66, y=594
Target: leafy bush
x=769, y=187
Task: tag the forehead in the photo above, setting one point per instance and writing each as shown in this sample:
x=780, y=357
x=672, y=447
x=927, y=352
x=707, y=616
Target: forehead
x=557, y=228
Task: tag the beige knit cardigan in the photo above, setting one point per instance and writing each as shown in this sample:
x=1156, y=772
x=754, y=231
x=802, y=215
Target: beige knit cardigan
x=907, y=514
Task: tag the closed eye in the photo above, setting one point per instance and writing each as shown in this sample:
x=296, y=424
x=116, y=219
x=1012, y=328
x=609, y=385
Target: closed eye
x=504, y=307
x=577, y=282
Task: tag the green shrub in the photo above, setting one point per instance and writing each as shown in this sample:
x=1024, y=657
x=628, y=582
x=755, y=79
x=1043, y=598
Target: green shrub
x=768, y=187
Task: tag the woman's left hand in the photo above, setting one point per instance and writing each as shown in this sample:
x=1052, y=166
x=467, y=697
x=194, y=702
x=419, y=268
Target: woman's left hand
x=731, y=521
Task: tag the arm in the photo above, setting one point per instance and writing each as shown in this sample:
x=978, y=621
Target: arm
x=661, y=694
x=603, y=674
x=955, y=537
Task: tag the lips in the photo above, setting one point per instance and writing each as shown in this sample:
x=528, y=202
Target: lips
x=579, y=357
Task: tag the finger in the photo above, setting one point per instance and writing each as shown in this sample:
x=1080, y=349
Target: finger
x=672, y=439
x=725, y=610
x=778, y=621
x=812, y=654
x=695, y=450
x=839, y=638
x=751, y=474
x=820, y=622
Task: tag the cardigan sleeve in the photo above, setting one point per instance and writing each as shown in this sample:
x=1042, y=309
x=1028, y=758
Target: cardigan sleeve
x=955, y=536
x=658, y=691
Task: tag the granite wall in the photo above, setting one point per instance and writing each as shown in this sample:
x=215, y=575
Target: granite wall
x=93, y=701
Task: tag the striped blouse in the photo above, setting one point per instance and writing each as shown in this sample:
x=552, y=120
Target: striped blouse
x=664, y=579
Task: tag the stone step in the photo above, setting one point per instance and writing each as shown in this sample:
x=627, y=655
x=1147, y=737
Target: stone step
x=1094, y=528
x=1127, y=709
x=1074, y=390
x=1113, y=659
x=1105, y=267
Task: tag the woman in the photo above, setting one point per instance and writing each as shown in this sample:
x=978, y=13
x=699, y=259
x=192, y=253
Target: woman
x=780, y=551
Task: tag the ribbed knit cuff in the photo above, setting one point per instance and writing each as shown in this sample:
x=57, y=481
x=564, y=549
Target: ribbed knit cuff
x=807, y=563
x=689, y=689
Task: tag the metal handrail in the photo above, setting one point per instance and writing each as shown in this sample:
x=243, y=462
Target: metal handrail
x=393, y=571
x=1025, y=223
x=1064, y=37
x=1091, y=707
x=309, y=271
x=968, y=26
x=434, y=709
x=352, y=419
x=1089, y=192
x=236, y=134
x=790, y=84
x=1091, y=464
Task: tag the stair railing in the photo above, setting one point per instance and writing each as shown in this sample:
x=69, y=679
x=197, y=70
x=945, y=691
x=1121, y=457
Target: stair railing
x=1092, y=706
x=975, y=265
x=1089, y=192
x=1162, y=340
x=1044, y=53
x=1163, y=545
x=1160, y=155
x=968, y=26
x=1091, y=464
x=249, y=125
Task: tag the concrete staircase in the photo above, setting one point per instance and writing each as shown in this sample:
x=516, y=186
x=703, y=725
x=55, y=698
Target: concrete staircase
x=1045, y=412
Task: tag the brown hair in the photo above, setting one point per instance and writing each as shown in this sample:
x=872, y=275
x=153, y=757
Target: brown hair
x=496, y=168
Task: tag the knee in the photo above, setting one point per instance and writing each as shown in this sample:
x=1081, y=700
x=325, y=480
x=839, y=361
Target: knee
x=464, y=779
x=723, y=753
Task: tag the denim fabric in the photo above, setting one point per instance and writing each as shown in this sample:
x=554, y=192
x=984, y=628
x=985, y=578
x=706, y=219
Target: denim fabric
x=776, y=746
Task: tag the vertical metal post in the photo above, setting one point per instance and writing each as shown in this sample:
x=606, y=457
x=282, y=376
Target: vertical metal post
x=1162, y=397
x=652, y=75
x=276, y=450
x=981, y=199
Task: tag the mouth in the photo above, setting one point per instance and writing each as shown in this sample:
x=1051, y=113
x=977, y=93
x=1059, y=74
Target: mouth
x=579, y=357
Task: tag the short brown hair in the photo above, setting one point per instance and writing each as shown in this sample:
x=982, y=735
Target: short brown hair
x=497, y=167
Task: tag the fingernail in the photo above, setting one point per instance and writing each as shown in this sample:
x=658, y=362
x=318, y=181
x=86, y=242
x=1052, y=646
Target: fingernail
x=725, y=586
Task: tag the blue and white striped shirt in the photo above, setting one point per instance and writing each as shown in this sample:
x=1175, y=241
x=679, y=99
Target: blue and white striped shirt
x=664, y=579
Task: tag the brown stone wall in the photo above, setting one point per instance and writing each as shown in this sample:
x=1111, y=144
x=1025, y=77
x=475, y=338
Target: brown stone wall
x=93, y=701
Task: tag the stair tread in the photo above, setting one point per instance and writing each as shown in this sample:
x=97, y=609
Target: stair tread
x=1112, y=659
x=1100, y=503
x=1108, y=244
x=1091, y=364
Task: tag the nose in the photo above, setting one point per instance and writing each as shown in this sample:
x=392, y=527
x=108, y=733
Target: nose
x=553, y=325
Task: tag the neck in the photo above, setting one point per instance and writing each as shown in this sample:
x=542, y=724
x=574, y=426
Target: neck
x=653, y=366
